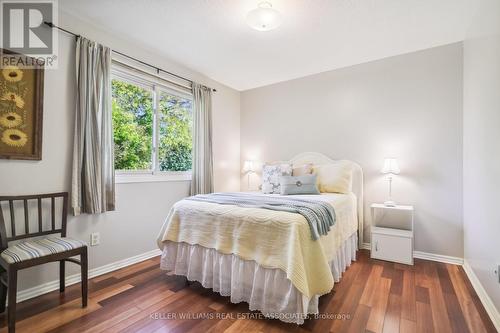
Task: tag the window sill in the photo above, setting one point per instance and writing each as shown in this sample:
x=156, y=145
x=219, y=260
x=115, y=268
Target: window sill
x=126, y=178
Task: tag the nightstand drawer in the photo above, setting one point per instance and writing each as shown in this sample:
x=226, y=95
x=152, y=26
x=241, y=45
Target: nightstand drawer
x=392, y=247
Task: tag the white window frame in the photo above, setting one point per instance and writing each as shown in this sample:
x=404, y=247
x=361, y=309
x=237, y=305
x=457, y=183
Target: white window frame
x=156, y=86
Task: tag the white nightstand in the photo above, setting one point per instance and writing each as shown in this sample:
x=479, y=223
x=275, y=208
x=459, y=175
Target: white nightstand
x=392, y=233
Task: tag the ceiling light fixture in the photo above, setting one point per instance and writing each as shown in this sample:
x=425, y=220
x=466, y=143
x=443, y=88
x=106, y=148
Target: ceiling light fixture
x=264, y=18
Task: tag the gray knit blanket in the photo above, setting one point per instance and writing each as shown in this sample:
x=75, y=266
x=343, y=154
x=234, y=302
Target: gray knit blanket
x=319, y=215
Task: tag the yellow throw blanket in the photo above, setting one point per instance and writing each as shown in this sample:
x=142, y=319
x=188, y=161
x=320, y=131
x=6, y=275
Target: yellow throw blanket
x=274, y=239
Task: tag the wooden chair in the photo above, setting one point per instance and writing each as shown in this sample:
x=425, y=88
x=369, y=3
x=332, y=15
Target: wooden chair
x=37, y=251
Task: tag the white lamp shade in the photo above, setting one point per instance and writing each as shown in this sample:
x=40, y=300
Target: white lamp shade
x=248, y=166
x=264, y=18
x=390, y=166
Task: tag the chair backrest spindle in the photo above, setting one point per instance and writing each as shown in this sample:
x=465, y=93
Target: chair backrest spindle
x=12, y=218
x=64, y=216
x=40, y=225
x=26, y=217
x=53, y=212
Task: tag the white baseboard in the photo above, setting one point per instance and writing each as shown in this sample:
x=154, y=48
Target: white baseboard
x=76, y=278
x=366, y=246
x=438, y=257
x=483, y=295
x=429, y=256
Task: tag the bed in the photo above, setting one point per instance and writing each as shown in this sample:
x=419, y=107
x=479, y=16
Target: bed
x=264, y=257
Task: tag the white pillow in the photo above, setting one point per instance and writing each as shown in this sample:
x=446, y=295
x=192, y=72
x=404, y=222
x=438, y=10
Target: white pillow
x=334, y=178
x=302, y=170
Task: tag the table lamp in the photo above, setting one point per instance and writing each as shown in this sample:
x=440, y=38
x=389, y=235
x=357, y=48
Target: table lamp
x=248, y=168
x=390, y=168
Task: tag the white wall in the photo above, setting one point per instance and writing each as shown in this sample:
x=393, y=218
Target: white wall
x=481, y=145
x=140, y=208
x=408, y=106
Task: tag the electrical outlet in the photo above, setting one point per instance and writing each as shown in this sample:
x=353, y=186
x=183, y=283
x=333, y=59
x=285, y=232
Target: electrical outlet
x=497, y=272
x=95, y=239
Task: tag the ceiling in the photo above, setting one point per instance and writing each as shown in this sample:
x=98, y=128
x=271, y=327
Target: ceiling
x=211, y=36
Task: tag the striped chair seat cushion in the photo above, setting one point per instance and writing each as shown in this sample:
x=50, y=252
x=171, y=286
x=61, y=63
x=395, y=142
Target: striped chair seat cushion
x=41, y=247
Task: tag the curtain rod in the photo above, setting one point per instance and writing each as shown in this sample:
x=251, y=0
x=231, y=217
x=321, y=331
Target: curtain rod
x=135, y=69
x=158, y=70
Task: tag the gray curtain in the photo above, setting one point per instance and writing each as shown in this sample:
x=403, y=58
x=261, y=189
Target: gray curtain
x=202, y=172
x=93, y=179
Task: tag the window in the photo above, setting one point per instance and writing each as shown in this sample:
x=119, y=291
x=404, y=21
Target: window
x=152, y=126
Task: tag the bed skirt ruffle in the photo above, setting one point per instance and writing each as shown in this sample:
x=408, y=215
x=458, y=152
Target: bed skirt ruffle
x=264, y=289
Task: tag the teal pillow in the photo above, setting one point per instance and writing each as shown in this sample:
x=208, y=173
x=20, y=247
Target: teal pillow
x=305, y=184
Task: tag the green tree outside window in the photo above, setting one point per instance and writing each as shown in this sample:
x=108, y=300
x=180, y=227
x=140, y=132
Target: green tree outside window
x=133, y=129
x=176, y=124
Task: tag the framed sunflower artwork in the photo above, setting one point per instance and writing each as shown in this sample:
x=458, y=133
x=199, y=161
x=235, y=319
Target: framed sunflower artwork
x=21, y=109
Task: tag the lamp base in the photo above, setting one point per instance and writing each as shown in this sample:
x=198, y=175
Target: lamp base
x=390, y=203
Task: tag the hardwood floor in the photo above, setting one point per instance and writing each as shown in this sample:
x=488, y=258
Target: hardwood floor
x=373, y=296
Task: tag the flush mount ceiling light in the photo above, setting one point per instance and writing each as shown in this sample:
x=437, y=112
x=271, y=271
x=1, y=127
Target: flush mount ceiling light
x=264, y=18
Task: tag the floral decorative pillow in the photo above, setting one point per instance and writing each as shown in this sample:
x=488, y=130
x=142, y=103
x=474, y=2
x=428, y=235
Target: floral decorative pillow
x=271, y=175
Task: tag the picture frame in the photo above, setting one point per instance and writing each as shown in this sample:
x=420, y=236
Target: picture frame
x=21, y=110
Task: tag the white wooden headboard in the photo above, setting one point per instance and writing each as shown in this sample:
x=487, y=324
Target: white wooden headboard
x=357, y=181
